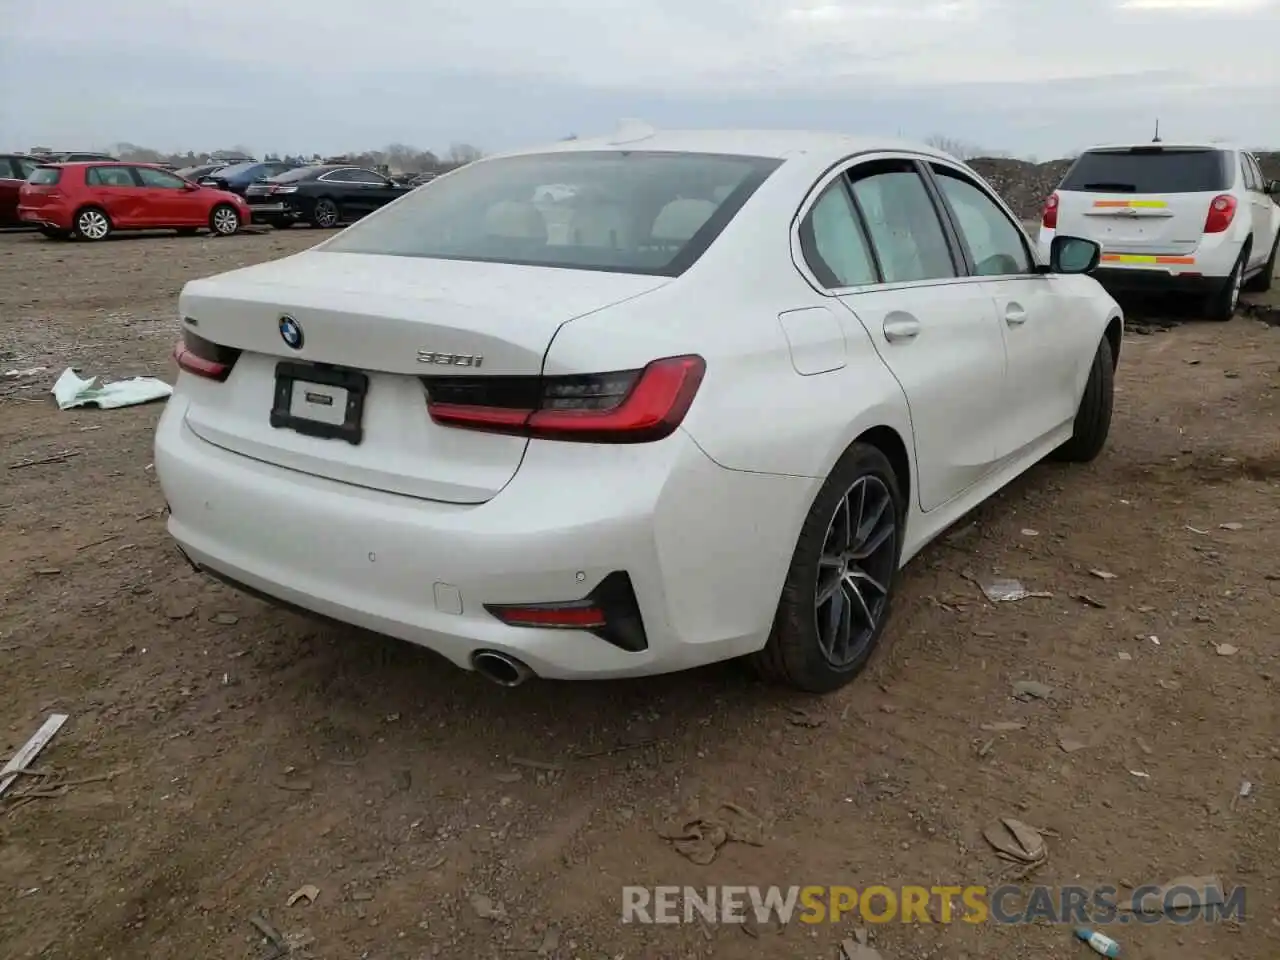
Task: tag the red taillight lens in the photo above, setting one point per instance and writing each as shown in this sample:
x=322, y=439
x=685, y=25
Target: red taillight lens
x=1049, y=219
x=1221, y=212
x=610, y=612
x=628, y=406
x=204, y=358
x=564, y=617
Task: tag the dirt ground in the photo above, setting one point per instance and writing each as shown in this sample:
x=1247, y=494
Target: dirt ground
x=247, y=752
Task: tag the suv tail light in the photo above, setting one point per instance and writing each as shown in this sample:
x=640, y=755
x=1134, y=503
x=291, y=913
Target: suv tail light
x=610, y=611
x=627, y=406
x=204, y=358
x=1221, y=212
x=1049, y=219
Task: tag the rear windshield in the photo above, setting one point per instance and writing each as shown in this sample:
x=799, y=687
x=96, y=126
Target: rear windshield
x=621, y=211
x=1149, y=170
x=45, y=175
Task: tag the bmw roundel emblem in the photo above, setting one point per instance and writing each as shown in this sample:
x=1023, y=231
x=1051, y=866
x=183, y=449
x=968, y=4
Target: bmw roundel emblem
x=291, y=332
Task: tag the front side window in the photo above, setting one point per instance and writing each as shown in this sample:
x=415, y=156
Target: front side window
x=625, y=211
x=996, y=245
x=159, y=179
x=902, y=221
x=833, y=244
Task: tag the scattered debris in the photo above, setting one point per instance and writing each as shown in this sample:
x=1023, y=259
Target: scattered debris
x=1013, y=840
x=798, y=717
x=1089, y=601
x=1203, y=533
x=1070, y=744
x=272, y=935
x=1125, y=655
x=1103, y=574
x=1231, y=526
x=700, y=839
x=1028, y=532
x=28, y=372
x=308, y=892
x=1143, y=746
x=1004, y=726
x=487, y=909
x=100, y=542
x=1246, y=788
x=535, y=764
x=70, y=391
x=1141, y=774
x=1032, y=690
x=29, y=750
x=62, y=457
x=1007, y=591
x=1180, y=893
x=1226, y=649
x=550, y=942
x=225, y=619
x=986, y=748
x=856, y=948
x=1100, y=943
x=753, y=927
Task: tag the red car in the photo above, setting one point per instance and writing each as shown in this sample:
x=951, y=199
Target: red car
x=14, y=170
x=91, y=200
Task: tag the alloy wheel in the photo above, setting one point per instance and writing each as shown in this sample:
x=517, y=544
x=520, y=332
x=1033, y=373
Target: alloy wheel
x=226, y=221
x=326, y=213
x=855, y=571
x=93, y=225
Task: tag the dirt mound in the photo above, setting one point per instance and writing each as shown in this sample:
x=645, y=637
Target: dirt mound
x=1023, y=185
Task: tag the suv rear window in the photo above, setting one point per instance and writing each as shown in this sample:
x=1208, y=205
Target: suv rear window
x=632, y=211
x=45, y=175
x=1149, y=170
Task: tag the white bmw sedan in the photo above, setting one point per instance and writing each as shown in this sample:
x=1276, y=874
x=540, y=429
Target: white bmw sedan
x=701, y=400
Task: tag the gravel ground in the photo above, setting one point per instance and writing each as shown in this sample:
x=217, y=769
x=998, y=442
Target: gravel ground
x=248, y=752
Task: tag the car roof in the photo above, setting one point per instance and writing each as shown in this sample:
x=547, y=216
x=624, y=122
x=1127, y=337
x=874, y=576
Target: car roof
x=778, y=144
x=1165, y=145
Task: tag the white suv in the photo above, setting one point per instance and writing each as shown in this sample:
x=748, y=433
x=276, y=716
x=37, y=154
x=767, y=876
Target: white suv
x=1200, y=219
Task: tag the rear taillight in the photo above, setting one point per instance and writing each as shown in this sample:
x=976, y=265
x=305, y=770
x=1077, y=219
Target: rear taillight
x=204, y=358
x=627, y=406
x=1049, y=219
x=1221, y=212
x=610, y=611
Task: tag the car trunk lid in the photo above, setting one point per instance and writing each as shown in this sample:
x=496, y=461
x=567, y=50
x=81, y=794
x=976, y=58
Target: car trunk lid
x=392, y=320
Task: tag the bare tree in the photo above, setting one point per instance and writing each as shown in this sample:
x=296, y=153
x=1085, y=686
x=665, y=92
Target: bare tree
x=461, y=153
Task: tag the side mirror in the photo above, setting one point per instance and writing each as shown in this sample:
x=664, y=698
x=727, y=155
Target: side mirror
x=1273, y=188
x=1073, y=255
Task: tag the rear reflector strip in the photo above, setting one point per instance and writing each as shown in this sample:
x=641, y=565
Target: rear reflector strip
x=610, y=612
x=1140, y=258
x=1132, y=204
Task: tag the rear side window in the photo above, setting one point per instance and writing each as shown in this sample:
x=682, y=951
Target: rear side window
x=833, y=243
x=44, y=176
x=1150, y=170
x=625, y=211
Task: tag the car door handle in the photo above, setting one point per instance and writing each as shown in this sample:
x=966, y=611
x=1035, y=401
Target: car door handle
x=899, y=329
x=1014, y=315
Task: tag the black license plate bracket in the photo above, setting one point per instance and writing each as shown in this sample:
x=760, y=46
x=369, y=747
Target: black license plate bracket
x=347, y=388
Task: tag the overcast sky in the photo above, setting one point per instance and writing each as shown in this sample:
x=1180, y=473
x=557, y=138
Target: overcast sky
x=1031, y=77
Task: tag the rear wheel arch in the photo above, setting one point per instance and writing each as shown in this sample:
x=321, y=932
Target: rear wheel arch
x=1115, y=335
x=889, y=442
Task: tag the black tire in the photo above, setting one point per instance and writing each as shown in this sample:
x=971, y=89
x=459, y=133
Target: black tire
x=794, y=654
x=224, y=220
x=325, y=214
x=1093, y=416
x=91, y=223
x=1261, y=283
x=1222, y=303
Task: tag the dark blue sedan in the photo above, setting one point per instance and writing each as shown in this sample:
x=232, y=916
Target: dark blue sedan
x=238, y=176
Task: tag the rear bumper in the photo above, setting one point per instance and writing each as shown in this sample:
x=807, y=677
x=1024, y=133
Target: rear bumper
x=1122, y=280
x=53, y=217
x=277, y=210
x=706, y=548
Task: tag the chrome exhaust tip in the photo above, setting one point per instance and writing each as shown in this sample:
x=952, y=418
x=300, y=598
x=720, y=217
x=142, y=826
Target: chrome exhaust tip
x=503, y=670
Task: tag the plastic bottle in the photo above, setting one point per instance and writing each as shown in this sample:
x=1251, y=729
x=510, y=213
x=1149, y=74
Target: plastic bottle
x=1100, y=943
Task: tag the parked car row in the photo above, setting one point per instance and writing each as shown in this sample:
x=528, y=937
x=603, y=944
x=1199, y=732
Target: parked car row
x=93, y=198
